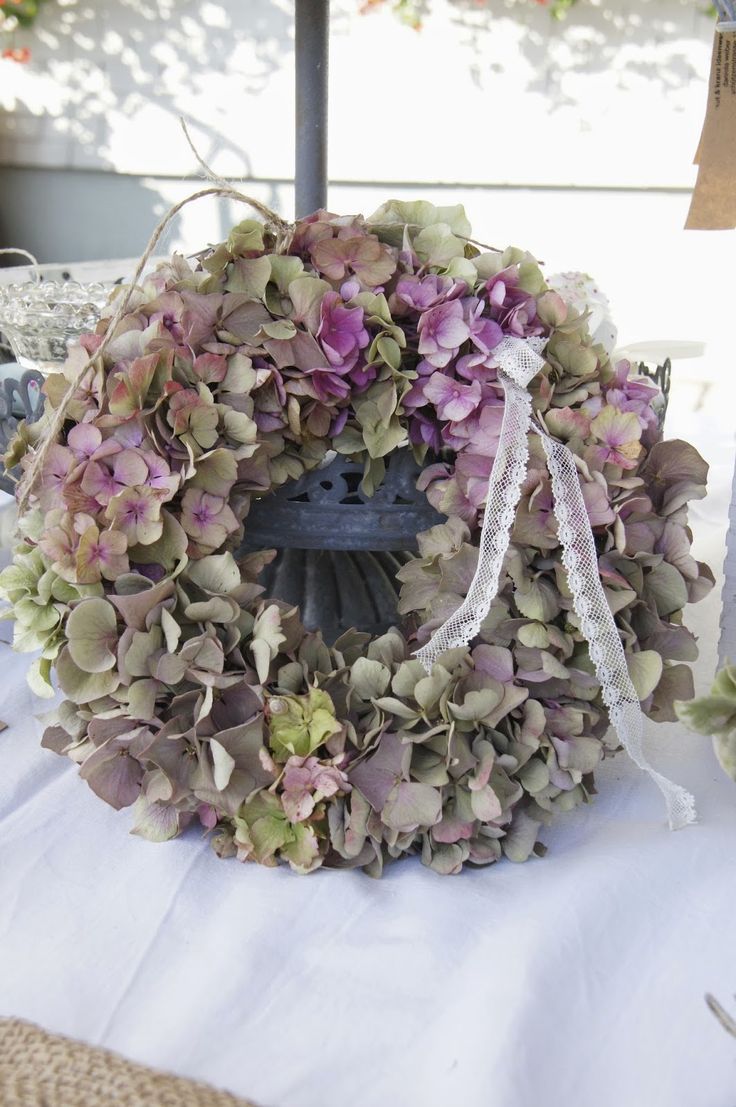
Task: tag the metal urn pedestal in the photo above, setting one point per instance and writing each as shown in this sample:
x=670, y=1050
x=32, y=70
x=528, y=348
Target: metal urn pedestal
x=339, y=551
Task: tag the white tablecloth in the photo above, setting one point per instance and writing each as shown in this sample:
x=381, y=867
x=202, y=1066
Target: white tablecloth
x=574, y=980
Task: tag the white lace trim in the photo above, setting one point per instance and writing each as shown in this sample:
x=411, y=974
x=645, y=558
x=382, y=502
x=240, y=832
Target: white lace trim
x=519, y=362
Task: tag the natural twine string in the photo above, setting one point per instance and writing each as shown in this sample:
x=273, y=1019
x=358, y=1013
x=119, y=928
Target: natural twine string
x=56, y=423
x=269, y=216
x=208, y=172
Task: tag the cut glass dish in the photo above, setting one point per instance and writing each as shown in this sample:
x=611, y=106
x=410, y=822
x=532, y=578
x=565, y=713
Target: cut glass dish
x=40, y=319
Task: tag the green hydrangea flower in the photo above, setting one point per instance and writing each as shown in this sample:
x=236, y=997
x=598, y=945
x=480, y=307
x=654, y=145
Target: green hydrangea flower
x=715, y=715
x=300, y=724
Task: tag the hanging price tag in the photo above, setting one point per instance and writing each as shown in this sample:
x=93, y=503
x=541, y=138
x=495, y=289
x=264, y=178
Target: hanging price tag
x=713, y=204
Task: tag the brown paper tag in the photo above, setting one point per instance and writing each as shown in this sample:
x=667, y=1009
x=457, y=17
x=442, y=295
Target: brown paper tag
x=713, y=62
x=713, y=204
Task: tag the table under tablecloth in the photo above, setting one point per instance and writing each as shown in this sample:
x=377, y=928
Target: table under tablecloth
x=576, y=979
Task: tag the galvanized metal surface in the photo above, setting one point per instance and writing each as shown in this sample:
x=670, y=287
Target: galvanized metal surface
x=326, y=510
x=340, y=550
x=338, y=589
x=312, y=18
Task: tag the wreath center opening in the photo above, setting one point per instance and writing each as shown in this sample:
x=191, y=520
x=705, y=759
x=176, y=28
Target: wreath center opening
x=338, y=548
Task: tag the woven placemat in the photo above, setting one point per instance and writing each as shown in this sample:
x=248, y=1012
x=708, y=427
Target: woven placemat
x=38, y=1069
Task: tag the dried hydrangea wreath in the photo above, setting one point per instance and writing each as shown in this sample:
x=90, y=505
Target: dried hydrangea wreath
x=191, y=697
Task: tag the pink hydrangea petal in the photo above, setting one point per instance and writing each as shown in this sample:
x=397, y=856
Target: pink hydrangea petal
x=84, y=439
x=130, y=468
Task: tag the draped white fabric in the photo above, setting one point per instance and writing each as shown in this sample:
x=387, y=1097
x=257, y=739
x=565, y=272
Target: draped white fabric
x=519, y=361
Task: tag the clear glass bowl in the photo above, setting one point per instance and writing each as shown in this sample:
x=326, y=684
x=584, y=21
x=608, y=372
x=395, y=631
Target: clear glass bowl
x=40, y=319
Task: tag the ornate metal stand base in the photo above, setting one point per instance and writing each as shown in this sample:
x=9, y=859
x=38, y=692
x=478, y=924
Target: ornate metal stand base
x=338, y=589
x=19, y=399
x=339, y=550
x=326, y=510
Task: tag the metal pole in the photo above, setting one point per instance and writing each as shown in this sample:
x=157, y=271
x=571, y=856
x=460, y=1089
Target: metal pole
x=311, y=50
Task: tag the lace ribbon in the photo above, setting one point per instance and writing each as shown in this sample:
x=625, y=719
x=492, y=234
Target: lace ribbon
x=519, y=361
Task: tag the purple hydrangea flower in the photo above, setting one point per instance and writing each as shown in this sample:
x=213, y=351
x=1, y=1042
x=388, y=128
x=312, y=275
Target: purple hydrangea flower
x=637, y=394
x=58, y=467
x=514, y=309
x=206, y=518
x=481, y=430
x=84, y=439
x=422, y=293
x=349, y=289
x=442, y=331
x=337, y=426
x=454, y=401
x=474, y=367
x=619, y=433
x=485, y=333
x=168, y=311
x=341, y=332
x=425, y=431
x=327, y=385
